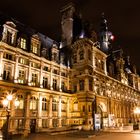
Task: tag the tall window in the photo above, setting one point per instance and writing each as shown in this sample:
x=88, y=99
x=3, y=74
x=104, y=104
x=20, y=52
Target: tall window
x=34, y=78
x=21, y=77
x=64, y=107
x=9, y=37
x=21, y=102
x=54, y=57
x=63, y=85
x=7, y=73
x=81, y=84
x=54, y=84
x=45, y=82
x=44, y=123
x=44, y=104
x=33, y=103
x=34, y=47
x=81, y=54
x=23, y=43
x=54, y=105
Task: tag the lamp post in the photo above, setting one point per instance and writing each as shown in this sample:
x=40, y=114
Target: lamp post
x=6, y=105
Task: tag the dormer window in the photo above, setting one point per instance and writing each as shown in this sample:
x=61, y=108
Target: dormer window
x=23, y=43
x=35, y=45
x=9, y=33
x=9, y=37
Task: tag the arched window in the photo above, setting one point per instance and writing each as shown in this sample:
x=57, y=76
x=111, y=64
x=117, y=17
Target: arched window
x=44, y=104
x=33, y=103
x=21, y=102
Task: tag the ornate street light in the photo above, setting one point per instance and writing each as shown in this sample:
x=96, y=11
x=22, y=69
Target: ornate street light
x=6, y=105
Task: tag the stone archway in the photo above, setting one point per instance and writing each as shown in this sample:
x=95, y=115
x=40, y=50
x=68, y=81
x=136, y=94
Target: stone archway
x=101, y=109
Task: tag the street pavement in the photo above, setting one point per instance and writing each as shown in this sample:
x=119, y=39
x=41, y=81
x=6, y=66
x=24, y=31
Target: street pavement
x=82, y=135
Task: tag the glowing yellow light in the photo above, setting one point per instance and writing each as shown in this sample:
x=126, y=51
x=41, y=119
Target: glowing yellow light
x=9, y=97
x=16, y=103
x=137, y=110
x=5, y=102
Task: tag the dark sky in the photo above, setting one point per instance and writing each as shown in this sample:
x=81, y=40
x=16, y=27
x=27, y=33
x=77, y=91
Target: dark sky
x=123, y=18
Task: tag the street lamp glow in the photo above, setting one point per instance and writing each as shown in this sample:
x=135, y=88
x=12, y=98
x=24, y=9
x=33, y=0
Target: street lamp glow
x=5, y=102
x=9, y=97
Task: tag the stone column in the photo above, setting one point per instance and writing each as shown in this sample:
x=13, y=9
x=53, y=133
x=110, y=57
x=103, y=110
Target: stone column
x=41, y=75
x=59, y=113
x=68, y=111
x=12, y=116
x=29, y=73
x=26, y=114
x=50, y=112
x=40, y=112
x=1, y=63
x=93, y=61
x=51, y=78
x=60, y=79
x=16, y=70
x=105, y=69
x=68, y=79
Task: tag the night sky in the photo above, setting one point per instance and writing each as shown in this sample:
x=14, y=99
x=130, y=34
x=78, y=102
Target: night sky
x=44, y=15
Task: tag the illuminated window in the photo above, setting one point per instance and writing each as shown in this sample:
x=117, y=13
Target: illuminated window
x=33, y=103
x=21, y=102
x=75, y=107
x=23, y=43
x=19, y=124
x=35, y=47
x=21, y=77
x=44, y=104
x=35, y=65
x=23, y=61
x=81, y=84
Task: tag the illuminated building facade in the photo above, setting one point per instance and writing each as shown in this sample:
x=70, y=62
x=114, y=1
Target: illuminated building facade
x=64, y=84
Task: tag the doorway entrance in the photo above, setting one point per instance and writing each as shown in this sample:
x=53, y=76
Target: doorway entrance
x=32, y=125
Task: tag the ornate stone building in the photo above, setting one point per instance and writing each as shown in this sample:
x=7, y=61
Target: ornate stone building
x=61, y=85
